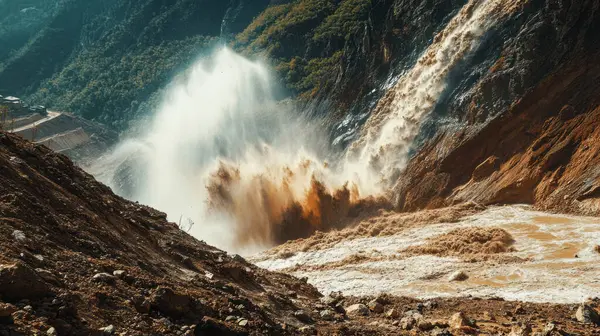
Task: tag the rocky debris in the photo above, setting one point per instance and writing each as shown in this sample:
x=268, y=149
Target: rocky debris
x=48, y=276
x=424, y=325
x=327, y=314
x=358, y=309
x=108, y=330
x=243, y=322
x=19, y=236
x=487, y=316
x=51, y=331
x=519, y=310
x=168, y=302
x=333, y=299
x=440, y=324
x=549, y=329
x=307, y=330
x=210, y=326
x=392, y=313
x=458, y=276
x=414, y=314
x=120, y=274
x=302, y=316
x=459, y=321
x=104, y=278
x=141, y=304
x=19, y=282
x=376, y=307
x=586, y=314
x=440, y=332
x=407, y=322
x=521, y=329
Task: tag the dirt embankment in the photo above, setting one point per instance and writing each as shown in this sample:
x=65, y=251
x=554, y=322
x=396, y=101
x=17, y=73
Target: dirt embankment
x=78, y=260
x=544, y=150
x=528, y=123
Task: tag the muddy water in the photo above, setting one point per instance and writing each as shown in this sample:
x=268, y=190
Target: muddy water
x=554, y=261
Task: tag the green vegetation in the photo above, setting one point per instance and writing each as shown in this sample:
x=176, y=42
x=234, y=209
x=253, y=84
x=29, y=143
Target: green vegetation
x=104, y=59
x=305, y=39
x=103, y=87
x=108, y=59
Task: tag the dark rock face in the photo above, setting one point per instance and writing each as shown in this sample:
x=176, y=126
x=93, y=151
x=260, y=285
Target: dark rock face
x=170, y=303
x=19, y=282
x=526, y=126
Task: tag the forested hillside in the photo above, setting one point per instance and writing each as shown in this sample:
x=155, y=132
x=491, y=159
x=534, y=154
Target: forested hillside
x=102, y=58
x=106, y=60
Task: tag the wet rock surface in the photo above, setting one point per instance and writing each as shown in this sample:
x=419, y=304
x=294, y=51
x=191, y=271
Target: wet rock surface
x=528, y=116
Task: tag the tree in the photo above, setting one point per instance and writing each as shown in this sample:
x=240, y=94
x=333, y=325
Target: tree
x=4, y=116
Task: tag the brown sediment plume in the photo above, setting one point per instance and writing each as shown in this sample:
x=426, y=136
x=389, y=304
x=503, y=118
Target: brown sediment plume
x=284, y=203
x=373, y=222
x=466, y=242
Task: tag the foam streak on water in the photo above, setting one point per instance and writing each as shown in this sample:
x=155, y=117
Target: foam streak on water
x=559, y=263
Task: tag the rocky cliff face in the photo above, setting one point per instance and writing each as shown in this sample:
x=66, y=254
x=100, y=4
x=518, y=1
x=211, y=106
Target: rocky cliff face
x=523, y=119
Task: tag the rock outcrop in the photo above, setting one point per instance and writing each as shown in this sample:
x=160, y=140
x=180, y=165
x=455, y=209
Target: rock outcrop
x=528, y=124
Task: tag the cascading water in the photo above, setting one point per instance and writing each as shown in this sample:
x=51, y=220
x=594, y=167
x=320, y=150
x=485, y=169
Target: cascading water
x=395, y=122
x=222, y=153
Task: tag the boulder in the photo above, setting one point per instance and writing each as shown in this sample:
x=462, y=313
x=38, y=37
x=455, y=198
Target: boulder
x=376, y=307
x=19, y=281
x=520, y=329
x=104, y=278
x=327, y=314
x=458, y=276
x=586, y=314
x=170, y=303
x=358, y=309
x=459, y=321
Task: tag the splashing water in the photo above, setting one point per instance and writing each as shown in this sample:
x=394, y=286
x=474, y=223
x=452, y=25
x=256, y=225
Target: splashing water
x=222, y=153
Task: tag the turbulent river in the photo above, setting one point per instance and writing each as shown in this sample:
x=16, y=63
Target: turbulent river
x=552, y=260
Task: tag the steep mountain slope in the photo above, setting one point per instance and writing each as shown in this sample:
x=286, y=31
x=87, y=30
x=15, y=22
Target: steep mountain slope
x=526, y=128
x=77, y=260
x=108, y=60
x=101, y=59
x=60, y=229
